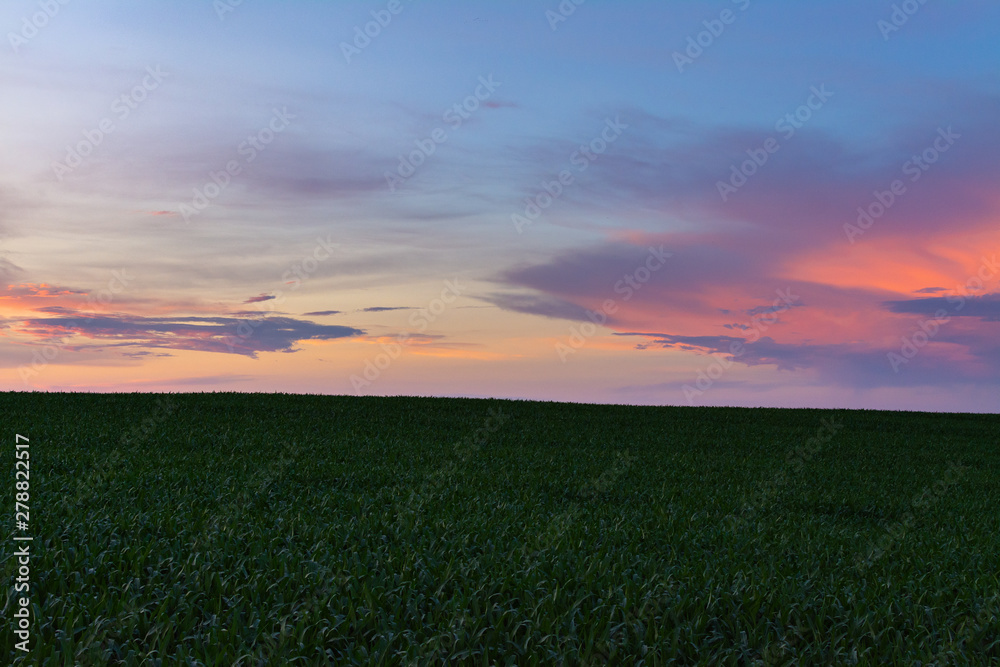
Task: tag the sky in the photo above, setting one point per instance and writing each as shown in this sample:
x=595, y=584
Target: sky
x=750, y=203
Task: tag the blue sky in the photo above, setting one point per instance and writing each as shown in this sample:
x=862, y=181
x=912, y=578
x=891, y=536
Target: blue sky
x=438, y=289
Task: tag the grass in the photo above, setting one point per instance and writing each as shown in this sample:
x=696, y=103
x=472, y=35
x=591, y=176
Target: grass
x=254, y=529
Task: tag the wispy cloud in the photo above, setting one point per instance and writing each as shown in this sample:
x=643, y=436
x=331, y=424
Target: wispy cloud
x=259, y=299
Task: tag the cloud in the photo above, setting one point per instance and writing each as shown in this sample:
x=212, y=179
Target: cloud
x=139, y=385
x=57, y=310
x=707, y=344
x=688, y=282
x=180, y=158
x=383, y=309
x=986, y=306
x=39, y=290
x=856, y=365
x=9, y=270
x=594, y=271
x=764, y=310
x=783, y=230
x=670, y=168
x=205, y=380
x=207, y=334
x=322, y=313
x=256, y=313
x=258, y=299
x=534, y=304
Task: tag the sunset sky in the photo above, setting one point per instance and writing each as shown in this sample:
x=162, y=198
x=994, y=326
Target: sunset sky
x=685, y=203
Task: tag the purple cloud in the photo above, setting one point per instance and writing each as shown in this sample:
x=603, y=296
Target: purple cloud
x=986, y=306
x=207, y=334
x=258, y=299
x=533, y=304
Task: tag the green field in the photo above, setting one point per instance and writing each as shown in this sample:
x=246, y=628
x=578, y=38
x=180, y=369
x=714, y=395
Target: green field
x=269, y=529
